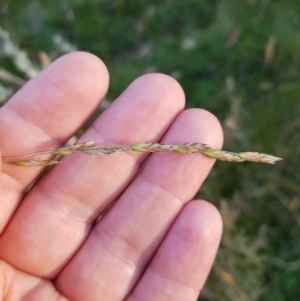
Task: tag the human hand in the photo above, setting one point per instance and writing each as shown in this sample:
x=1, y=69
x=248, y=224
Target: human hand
x=153, y=244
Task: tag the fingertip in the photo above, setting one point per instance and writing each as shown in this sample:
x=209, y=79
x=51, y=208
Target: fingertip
x=186, y=255
x=152, y=101
x=205, y=216
x=200, y=223
x=161, y=86
x=209, y=124
x=92, y=73
x=199, y=228
x=78, y=58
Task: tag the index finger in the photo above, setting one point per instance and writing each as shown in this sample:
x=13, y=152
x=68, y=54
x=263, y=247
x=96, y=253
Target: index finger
x=44, y=114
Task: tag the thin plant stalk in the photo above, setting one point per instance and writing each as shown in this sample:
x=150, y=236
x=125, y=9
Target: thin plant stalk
x=93, y=148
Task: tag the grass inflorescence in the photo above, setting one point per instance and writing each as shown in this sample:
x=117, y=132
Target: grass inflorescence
x=93, y=148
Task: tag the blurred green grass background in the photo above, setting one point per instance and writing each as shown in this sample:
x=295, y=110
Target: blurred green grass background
x=239, y=59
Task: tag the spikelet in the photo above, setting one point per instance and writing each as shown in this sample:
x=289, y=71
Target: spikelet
x=92, y=148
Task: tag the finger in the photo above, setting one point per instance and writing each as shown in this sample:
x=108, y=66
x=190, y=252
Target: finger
x=58, y=213
x=44, y=114
x=183, y=261
x=16, y=285
x=123, y=242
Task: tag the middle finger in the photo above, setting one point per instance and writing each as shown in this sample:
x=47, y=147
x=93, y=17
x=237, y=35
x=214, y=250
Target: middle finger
x=57, y=214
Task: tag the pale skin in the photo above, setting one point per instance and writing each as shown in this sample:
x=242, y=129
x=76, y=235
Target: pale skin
x=154, y=243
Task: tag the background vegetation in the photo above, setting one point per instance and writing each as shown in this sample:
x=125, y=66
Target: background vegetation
x=240, y=59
